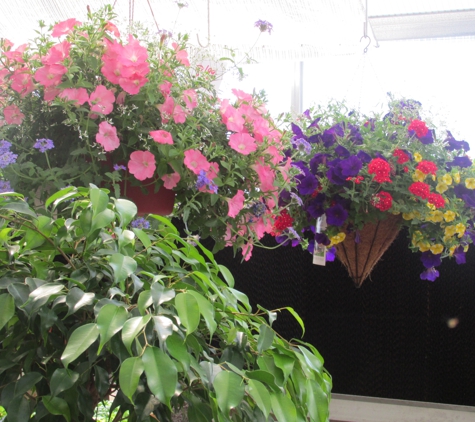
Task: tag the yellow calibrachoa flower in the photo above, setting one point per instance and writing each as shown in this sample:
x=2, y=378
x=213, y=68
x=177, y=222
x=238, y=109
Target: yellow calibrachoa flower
x=340, y=237
x=450, y=231
x=447, y=179
x=408, y=215
x=460, y=229
x=417, y=237
x=449, y=216
x=437, y=249
x=436, y=216
x=418, y=176
x=441, y=187
x=417, y=157
x=470, y=183
x=457, y=177
x=424, y=246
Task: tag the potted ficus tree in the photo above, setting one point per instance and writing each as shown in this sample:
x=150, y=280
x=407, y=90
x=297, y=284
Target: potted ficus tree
x=95, y=304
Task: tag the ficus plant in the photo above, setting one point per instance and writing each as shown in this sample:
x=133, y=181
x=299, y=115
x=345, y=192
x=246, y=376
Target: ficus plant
x=94, y=308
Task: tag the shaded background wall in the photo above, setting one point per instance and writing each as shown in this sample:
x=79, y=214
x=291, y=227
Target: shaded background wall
x=395, y=337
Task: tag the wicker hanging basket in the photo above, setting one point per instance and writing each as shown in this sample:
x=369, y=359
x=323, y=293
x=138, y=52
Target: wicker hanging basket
x=375, y=238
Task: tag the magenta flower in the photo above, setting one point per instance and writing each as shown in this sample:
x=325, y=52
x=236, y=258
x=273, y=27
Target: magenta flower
x=170, y=180
x=107, y=137
x=78, y=95
x=242, y=143
x=102, y=100
x=142, y=164
x=65, y=27
x=196, y=161
x=13, y=115
x=236, y=203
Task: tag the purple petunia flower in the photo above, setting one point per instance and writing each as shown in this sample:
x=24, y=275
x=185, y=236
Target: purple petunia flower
x=336, y=215
x=342, y=152
x=7, y=158
x=263, y=26
x=351, y=166
x=316, y=161
x=462, y=162
x=43, y=144
x=363, y=156
x=302, y=145
x=430, y=260
x=297, y=131
x=454, y=145
x=329, y=136
x=427, y=139
x=296, y=198
x=430, y=274
x=140, y=223
x=335, y=175
x=307, y=184
x=459, y=255
x=315, y=206
x=331, y=254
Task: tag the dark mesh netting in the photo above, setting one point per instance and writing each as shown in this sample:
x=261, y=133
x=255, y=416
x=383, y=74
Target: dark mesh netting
x=396, y=337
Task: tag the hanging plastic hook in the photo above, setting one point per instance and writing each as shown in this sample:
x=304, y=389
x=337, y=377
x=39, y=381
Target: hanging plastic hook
x=365, y=50
x=209, y=35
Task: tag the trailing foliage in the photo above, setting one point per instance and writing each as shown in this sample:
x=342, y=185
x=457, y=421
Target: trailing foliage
x=92, y=309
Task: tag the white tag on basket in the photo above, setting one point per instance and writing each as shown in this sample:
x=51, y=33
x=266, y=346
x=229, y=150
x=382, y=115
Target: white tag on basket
x=320, y=251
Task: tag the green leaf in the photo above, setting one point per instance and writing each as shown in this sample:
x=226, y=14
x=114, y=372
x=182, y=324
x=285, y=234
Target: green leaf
x=76, y=299
x=27, y=382
x=20, y=207
x=188, y=311
x=284, y=362
x=7, y=308
x=265, y=377
x=315, y=362
x=282, y=407
x=266, y=337
x=228, y=277
x=80, y=340
x=123, y=267
x=110, y=320
x=177, y=348
x=57, y=406
x=161, y=374
x=297, y=318
x=317, y=401
x=260, y=394
x=229, y=389
x=127, y=211
x=18, y=409
x=160, y=294
x=131, y=328
x=61, y=380
x=144, y=301
x=99, y=200
x=129, y=375
x=163, y=326
x=33, y=238
x=207, y=310
x=101, y=220
x=45, y=291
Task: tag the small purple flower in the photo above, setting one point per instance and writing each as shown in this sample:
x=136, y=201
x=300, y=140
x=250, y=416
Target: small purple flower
x=258, y=208
x=5, y=186
x=118, y=167
x=140, y=223
x=302, y=145
x=263, y=26
x=336, y=215
x=43, y=144
x=4, y=146
x=331, y=254
x=7, y=158
x=202, y=180
x=430, y=260
x=430, y=274
x=296, y=198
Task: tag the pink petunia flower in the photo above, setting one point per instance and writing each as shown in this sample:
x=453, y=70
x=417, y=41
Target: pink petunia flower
x=78, y=95
x=196, y=161
x=189, y=96
x=161, y=136
x=142, y=164
x=102, y=100
x=13, y=115
x=181, y=55
x=179, y=115
x=110, y=27
x=57, y=53
x=242, y=143
x=51, y=92
x=107, y=136
x=50, y=75
x=166, y=109
x=22, y=81
x=266, y=176
x=65, y=27
x=170, y=180
x=242, y=96
x=247, y=251
x=236, y=203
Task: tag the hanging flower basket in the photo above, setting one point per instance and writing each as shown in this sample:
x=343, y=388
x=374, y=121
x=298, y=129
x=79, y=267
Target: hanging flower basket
x=359, y=257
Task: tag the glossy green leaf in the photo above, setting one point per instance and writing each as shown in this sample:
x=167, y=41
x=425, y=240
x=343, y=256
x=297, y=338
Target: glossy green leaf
x=7, y=308
x=27, y=382
x=260, y=394
x=127, y=211
x=61, y=380
x=131, y=328
x=163, y=326
x=110, y=320
x=282, y=407
x=266, y=337
x=265, y=377
x=177, y=348
x=35, y=238
x=207, y=310
x=20, y=207
x=99, y=200
x=229, y=389
x=315, y=362
x=57, y=406
x=129, y=375
x=228, y=277
x=101, y=220
x=123, y=266
x=79, y=342
x=188, y=311
x=144, y=301
x=45, y=291
x=161, y=374
x=297, y=318
x=317, y=402
x=18, y=409
x=160, y=294
x=285, y=363
x=76, y=299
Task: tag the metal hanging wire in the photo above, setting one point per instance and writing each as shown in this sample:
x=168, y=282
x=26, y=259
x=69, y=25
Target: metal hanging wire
x=209, y=29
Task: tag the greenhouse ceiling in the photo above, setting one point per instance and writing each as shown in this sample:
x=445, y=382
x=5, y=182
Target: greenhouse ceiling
x=301, y=28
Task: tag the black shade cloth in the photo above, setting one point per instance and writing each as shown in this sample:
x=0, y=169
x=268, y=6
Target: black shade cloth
x=396, y=337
